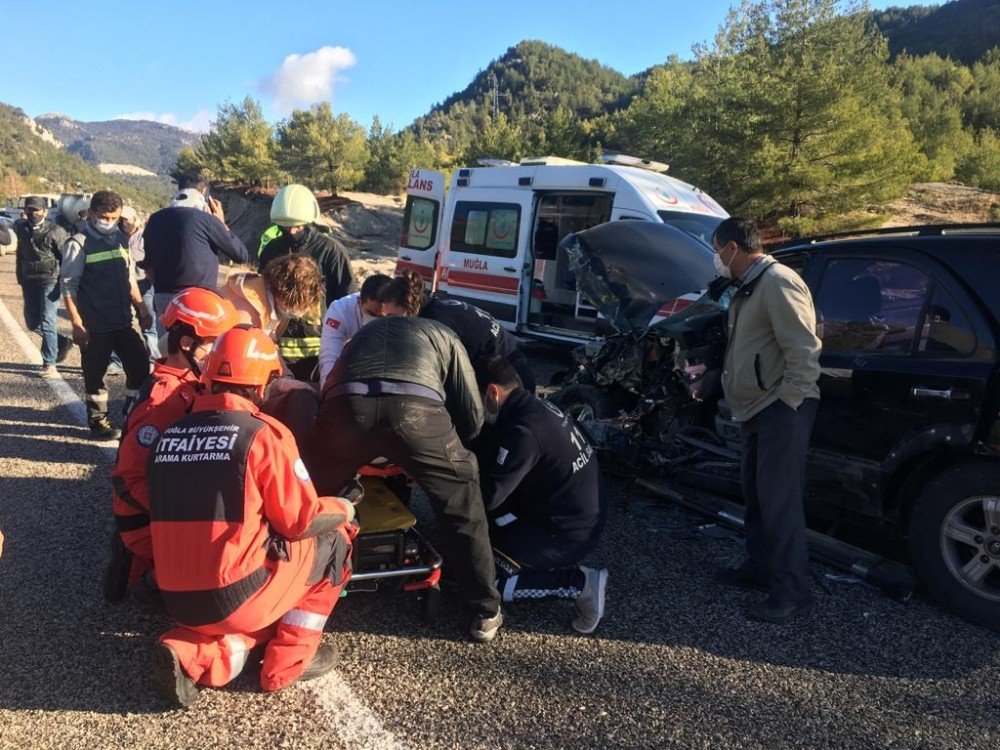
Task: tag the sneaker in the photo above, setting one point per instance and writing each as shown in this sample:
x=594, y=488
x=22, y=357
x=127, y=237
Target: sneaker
x=484, y=629
x=324, y=661
x=48, y=372
x=169, y=680
x=65, y=344
x=590, y=602
x=743, y=577
x=101, y=429
x=778, y=611
x=114, y=582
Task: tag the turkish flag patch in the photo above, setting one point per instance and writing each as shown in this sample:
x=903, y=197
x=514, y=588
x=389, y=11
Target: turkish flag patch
x=334, y=324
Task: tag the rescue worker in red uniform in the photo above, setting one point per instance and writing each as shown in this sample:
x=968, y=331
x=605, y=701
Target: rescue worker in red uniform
x=193, y=319
x=246, y=552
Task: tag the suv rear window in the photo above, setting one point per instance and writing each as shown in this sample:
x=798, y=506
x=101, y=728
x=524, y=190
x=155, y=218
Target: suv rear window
x=694, y=224
x=884, y=306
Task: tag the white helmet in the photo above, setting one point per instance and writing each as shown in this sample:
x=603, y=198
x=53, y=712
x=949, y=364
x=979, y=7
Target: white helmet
x=293, y=206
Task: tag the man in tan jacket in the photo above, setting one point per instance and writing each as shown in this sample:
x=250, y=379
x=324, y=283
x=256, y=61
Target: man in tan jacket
x=769, y=379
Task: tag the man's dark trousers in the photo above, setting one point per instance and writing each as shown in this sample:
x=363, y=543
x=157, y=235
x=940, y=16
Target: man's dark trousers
x=95, y=358
x=416, y=434
x=775, y=442
x=41, y=307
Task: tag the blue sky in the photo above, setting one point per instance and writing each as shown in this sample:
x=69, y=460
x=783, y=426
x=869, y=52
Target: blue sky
x=396, y=58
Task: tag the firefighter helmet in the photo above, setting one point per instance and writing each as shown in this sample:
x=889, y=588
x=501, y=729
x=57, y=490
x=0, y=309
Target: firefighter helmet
x=207, y=312
x=293, y=206
x=242, y=356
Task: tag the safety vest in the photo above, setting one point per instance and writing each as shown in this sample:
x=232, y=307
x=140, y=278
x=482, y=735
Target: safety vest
x=302, y=337
x=104, y=297
x=271, y=233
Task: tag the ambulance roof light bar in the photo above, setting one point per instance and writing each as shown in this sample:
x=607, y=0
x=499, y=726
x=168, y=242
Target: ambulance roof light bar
x=495, y=163
x=548, y=161
x=624, y=160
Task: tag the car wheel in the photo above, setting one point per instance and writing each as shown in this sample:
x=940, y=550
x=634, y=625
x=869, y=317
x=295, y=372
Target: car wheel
x=955, y=541
x=584, y=403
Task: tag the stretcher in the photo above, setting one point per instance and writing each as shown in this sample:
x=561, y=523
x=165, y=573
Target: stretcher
x=388, y=548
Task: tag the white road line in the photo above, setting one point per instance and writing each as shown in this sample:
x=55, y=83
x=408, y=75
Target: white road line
x=352, y=722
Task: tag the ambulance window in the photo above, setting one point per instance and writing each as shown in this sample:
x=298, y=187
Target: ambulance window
x=486, y=228
x=420, y=221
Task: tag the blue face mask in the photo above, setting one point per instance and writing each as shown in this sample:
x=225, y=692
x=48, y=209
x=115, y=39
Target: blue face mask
x=105, y=226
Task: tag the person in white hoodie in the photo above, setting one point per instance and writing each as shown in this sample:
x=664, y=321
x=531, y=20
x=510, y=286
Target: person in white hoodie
x=344, y=318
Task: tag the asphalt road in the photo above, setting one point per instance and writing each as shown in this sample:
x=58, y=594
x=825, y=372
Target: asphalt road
x=673, y=665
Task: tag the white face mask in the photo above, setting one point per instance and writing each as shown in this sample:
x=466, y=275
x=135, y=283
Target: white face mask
x=105, y=226
x=721, y=268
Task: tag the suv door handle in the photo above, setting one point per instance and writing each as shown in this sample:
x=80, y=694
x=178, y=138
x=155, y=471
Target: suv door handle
x=404, y=257
x=509, y=269
x=948, y=394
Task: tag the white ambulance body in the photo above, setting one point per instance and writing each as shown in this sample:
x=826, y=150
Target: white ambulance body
x=494, y=241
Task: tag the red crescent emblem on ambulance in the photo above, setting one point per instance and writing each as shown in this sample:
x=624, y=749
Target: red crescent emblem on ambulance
x=420, y=226
x=501, y=229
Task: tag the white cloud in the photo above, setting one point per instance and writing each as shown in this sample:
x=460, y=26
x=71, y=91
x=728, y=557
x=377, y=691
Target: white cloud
x=198, y=123
x=307, y=79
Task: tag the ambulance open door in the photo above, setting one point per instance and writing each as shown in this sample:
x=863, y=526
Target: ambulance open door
x=420, y=240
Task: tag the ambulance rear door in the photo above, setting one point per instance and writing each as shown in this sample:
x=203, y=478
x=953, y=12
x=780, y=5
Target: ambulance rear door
x=420, y=240
x=489, y=236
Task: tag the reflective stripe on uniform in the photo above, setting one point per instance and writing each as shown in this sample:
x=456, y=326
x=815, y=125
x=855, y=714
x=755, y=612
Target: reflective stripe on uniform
x=118, y=253
x=299, y=348
x=237, y=655
x=302, y=619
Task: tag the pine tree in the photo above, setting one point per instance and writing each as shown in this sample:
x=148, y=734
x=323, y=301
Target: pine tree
x=240, y=144
x=500, y=138
x=322, y=150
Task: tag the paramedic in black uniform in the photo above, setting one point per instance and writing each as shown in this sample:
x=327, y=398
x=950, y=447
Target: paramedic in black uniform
x=403, y=388
x=543, y=494
x=480, y=333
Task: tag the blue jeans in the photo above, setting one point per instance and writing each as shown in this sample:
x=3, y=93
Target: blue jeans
x=150, y=334
x=41, y=304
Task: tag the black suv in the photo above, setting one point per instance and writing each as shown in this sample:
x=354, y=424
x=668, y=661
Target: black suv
x=907, y=437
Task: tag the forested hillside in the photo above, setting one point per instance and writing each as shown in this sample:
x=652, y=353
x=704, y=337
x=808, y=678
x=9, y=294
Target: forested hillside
x=30, y=163
x=963, y=30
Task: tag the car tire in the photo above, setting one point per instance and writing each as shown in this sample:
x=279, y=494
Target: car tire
x=584, y=402
x=954, y=537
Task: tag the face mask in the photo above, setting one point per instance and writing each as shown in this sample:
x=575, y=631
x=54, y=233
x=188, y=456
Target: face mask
x=105, y=226
x=721, y=268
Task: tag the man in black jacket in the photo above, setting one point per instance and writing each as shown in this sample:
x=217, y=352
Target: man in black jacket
x=39, y=257
x=403, y=388
x=542, y=490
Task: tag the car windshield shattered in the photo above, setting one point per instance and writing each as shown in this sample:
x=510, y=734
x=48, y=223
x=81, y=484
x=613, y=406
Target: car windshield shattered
x=629, y=269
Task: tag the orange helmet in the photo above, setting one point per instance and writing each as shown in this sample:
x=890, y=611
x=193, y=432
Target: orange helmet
x=242, y=356
x=206, y=311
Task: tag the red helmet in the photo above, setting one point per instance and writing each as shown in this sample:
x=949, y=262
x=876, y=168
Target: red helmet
x=206, y=311
x=242, y=356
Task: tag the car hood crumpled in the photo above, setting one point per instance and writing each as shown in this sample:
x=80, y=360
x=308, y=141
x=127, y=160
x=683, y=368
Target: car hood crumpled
x=629, y=269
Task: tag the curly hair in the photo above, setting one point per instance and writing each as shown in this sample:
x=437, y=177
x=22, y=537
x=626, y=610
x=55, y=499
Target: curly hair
x=296, y=283
x=105, y=202
x=406, y=291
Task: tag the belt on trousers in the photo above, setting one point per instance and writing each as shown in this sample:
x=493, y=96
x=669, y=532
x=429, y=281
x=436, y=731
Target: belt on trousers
x=383, y=388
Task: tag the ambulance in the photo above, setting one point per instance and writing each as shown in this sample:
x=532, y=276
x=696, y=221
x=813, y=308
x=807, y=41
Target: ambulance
x=492, y=238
